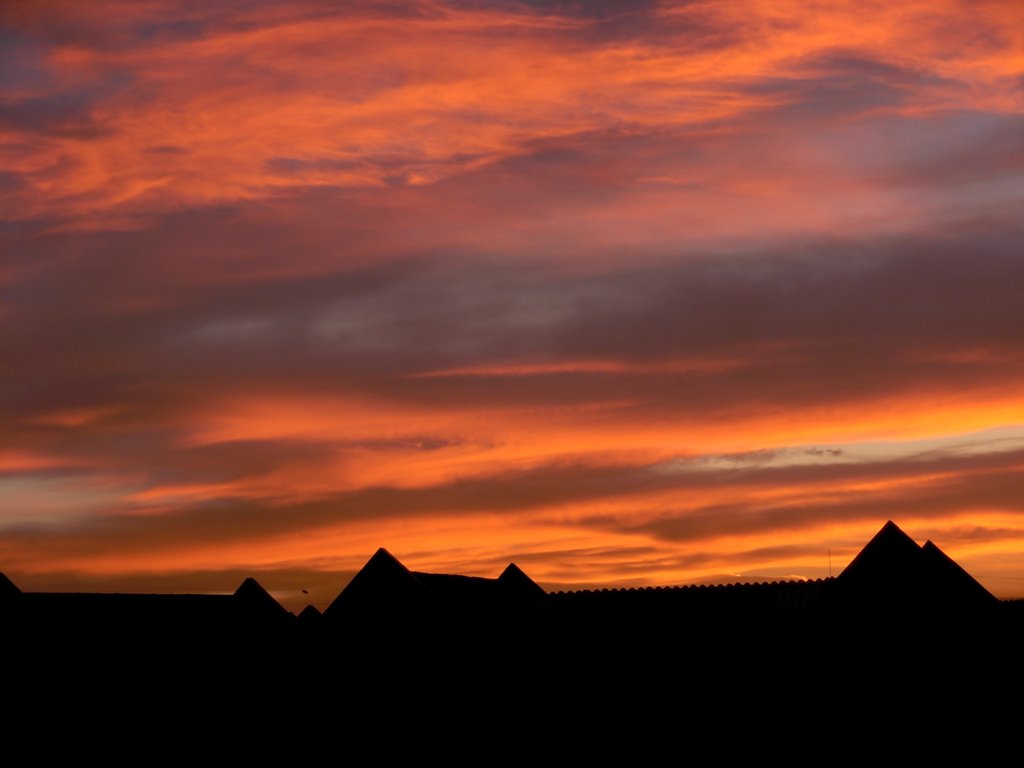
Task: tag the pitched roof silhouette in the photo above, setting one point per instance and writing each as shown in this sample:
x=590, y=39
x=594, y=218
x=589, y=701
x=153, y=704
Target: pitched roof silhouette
x=891, y=556
x=894, y=571
x=310, y=614
x=384, y=579
x=514, y=580
x=388, y=611
x=255, y=600
x=951, y=578
x=450, y=613
x=7, y=587
x=891, y=571
x=381, y=583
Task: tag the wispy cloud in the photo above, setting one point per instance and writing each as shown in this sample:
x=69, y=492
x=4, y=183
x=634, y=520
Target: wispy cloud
x=672, y=286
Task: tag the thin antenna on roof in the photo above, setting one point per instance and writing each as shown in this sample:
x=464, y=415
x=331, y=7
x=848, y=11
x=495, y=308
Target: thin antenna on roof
x=830, y=561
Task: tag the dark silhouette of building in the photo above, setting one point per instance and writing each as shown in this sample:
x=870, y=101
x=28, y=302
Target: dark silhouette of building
x=424, y=631
x=386, y=602
x=893, y=572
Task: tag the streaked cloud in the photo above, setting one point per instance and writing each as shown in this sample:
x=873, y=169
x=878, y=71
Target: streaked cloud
x=672, y=291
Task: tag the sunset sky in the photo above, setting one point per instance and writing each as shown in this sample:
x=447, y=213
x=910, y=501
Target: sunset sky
x=626, y=293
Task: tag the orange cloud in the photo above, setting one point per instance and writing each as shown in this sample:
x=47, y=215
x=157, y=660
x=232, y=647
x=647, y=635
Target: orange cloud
x=258, y=105
x=678, y=292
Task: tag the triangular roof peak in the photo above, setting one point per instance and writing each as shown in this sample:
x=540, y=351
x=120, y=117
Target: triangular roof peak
x=512, y=571
x=383, y=556
x=310, y=616
x=382, y=566
x=891, y=552
x=952, y=576
x=249, y=586
x=254, y=597
x=894, y=570
x=382, y=577
x=513, y=578
x=892, y=532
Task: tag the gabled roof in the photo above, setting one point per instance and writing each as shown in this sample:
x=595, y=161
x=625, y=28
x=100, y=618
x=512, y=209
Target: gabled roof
x=890, y=557
x=515, y=581
x=382, y=580
x=255, y=600
x=385, y=588
x=894, y=570
x=950, y=576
